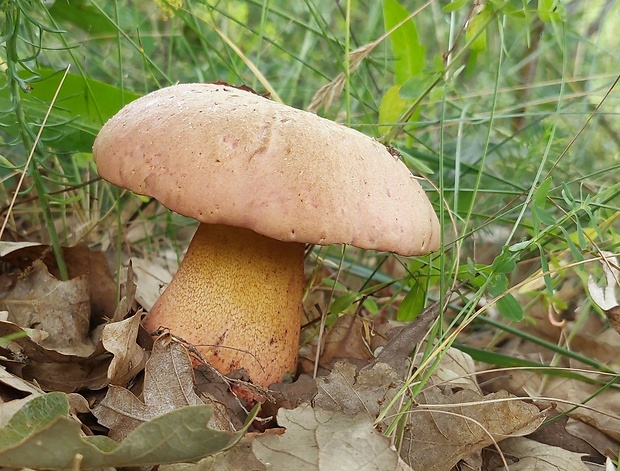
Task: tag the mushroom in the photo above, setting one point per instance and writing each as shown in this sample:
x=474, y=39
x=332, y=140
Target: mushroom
x=263, y=179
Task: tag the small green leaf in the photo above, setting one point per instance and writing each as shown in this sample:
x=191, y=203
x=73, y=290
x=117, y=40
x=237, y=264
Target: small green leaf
x=544, y=265
x=539, y=205
x=342, y=303
x=541, y=193
x=476, y=29
x=504, y=262
x=454, y=5
x=475, y=274
x=567, y=195
x=409, y=53
x=415, y=164
x=514, y=11
x=412, y=304
x=581, y=238
x=419, y=85
x=577, y=256
x=498, y=285
x=519, y=246
x=391, y=108
x=5, y=163
x=544, y=216
x=551, y=11
x=82, y=159
x=330, y=282
x=510, y=308
x=371, y=305
x=594, y=223
x=85, y=16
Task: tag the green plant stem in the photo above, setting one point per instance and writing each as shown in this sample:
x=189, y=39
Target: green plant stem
x=30, y=142
x=347, y=61
x=546, y=344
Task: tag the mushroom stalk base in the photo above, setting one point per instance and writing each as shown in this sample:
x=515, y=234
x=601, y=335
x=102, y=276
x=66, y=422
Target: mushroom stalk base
x=237, y=297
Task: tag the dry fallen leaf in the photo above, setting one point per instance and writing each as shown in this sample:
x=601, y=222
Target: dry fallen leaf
x=457, y=369
x=604, y=406
x=462, y=423
x=119, y=338
x=555, y=432
x=61, y=352
x=6, y=247
x=316, y=440
x=605, y=445
x=15, y=382
x=81, y=262
x=455, y=425
x=55, y=371
x=523, y=454
x=59, y=309
x=351, y=393
x=152, y=276
x=398, y=349
x=346, y=339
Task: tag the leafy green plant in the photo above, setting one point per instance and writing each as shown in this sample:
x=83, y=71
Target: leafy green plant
x=43, y=435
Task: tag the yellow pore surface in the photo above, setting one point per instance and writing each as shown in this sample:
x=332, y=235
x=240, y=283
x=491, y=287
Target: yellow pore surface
x=237, y=298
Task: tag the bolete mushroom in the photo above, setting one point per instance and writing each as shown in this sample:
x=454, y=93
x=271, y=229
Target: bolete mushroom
x=263, y=179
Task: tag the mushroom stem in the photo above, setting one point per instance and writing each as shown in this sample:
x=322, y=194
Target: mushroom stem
x=237, y=297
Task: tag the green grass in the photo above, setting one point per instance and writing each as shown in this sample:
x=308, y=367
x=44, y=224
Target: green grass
x=510, y=111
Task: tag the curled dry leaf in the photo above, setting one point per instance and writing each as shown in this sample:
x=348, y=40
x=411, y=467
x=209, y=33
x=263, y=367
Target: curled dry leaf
x=327, y=93
x=7, y=248
x=127, y=301
x=8, y=380
x=605, y=298
x=52, y=371
x=168, y=385
x=55, y=371
x=457, y=368
x=347, y=339
x=153, y=276
x=119, y=338
x=398, y=349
